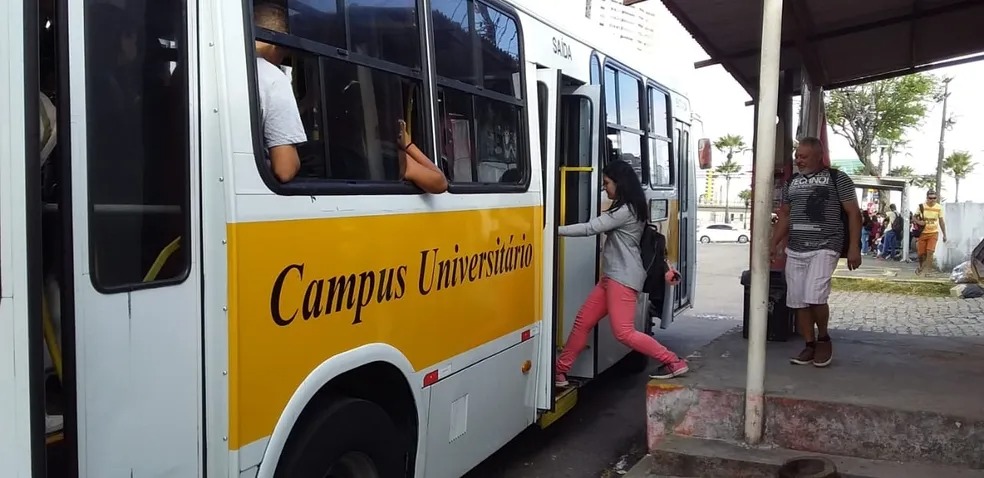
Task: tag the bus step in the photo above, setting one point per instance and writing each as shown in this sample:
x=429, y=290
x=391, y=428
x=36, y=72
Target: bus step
x=564, y=401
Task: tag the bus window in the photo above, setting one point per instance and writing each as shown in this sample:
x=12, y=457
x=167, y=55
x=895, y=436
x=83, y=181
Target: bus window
x=355, y=71
x=659, y=120
x=138, y=156
x=659, y=152
x=500, y=50
x=611, y=89
x=623, y=110
x=660, y=168
x=480, y=96
x=628, y=101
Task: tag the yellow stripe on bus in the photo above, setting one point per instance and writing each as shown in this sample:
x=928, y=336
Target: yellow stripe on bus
x=433, y=285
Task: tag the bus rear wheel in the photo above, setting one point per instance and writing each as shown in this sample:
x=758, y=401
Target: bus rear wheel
x=350, y=438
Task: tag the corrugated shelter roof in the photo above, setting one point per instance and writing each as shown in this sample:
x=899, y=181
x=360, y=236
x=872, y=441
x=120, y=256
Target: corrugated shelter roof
x=840, y=42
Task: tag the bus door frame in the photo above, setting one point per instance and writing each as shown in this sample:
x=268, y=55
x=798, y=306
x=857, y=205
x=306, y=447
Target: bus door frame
x=22, y=448
x=549, y=115
x=577, y=255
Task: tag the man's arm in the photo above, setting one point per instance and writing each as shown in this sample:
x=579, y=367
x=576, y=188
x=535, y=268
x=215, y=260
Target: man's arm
x=942, y=226
x=781, y=229
x=849, y=201
x=283, y=130
x=284, y=162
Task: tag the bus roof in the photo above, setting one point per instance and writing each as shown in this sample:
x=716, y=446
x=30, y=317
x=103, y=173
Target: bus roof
x=567, y=19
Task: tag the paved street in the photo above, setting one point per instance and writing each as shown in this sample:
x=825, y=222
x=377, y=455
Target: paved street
x=605, y=433
x=900, y=314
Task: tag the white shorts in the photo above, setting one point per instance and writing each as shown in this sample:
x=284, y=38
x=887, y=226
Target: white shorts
x=808, y=277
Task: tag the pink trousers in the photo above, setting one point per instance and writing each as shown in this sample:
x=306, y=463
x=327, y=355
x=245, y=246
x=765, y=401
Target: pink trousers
x=619, y=303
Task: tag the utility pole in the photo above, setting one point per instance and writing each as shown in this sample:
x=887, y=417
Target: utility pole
x=943, y=126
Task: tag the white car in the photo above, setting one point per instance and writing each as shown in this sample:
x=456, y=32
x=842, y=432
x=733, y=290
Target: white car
x=723, y=233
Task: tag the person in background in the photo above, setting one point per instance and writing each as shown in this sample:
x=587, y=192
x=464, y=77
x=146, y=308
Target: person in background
x=810, y=218
x=877, y=224
x=931, y=220
x=279, y=115
x=865, y=231
x=893, y=233
x=623, y=276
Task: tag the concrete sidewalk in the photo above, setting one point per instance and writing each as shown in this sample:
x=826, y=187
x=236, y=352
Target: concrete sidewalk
x=874, y=268
x=886, y=399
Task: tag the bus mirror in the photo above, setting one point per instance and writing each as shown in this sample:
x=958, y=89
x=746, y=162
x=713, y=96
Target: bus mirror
x=704, y=153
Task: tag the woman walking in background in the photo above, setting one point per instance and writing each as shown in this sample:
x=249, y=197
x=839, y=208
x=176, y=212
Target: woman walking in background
x=623, y=276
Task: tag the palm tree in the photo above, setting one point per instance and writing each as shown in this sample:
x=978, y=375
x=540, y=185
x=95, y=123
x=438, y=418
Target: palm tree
x=958, y=164
x=730, y=144
x=745, y=196
x=728, y=169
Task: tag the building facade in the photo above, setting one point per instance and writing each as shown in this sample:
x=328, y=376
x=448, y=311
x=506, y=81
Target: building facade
x=634, y=25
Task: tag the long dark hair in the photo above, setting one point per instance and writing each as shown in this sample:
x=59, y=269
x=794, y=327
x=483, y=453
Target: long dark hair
x=628, y=189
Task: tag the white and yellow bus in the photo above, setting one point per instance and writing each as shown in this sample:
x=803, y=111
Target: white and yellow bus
x=169, y=309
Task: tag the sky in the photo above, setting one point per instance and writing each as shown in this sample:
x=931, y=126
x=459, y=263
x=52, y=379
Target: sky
x=720, y=102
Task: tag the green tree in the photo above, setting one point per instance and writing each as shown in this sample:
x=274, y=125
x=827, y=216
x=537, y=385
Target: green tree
x=902, y=172
x=879, y=112
x=918, y=180
x=730, y=145
x=728, y=169
x=958, y=164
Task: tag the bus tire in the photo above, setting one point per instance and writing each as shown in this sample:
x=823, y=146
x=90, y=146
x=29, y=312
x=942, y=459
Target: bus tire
x=350, y=438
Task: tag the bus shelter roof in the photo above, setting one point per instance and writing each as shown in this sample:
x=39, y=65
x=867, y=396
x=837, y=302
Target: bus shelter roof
x=838, y=42
x=883, y=183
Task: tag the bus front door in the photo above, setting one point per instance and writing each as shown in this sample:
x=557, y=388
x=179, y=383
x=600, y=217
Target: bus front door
x=578, y=183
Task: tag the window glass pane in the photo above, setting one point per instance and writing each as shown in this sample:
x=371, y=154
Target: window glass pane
x=306, y=79
x=659, y=170
x=614, y=145
x=628, y=101
x=499, y=159
x=318, y=20
x=658, y=108
x=137, y=139
x=611, y=88
x=385, y=29
x=456, y=134
x=500, y=50
x=631, y=152
x=363, y=111
x=453, y=40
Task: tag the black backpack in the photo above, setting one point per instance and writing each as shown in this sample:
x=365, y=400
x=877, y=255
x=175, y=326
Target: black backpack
x=897, y=225
x=652, y=247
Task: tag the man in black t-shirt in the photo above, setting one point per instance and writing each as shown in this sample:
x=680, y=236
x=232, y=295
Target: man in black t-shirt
x=810, y=217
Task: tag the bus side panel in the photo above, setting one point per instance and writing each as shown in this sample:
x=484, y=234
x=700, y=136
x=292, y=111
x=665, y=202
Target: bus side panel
x=433, y=285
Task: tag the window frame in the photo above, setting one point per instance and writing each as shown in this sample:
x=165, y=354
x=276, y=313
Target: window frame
x=430, y=84
x=643, y=141
x=332, y=187
x=653, y=87
x=524, y=140
x=190, y=154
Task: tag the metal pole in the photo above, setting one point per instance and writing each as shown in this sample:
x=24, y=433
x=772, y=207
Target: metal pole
x=764, y=168
x=939, y=158
x=905, y=223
